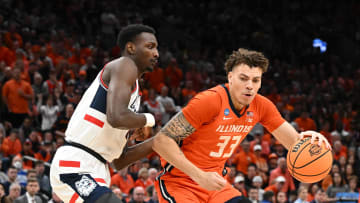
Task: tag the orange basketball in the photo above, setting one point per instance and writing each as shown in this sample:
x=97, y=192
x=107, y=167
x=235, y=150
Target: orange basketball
x=309, y=163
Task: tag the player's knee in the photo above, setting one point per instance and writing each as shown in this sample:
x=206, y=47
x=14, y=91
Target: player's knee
x=109, y=198
x=239, y=199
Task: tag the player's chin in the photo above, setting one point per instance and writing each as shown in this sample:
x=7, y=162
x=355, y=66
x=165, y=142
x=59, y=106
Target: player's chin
x=149, y=68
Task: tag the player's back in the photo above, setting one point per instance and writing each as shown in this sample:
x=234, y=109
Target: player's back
x=89, y=126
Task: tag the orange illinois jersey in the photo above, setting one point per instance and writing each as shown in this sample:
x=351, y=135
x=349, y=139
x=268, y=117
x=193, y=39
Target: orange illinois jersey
x=220, y=128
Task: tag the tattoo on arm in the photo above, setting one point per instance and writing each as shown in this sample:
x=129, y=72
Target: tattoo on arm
x=178, y=128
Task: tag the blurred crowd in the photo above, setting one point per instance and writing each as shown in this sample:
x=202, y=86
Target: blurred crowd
x=50, y=51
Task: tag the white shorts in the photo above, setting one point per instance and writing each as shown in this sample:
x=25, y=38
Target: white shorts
x=77, y=176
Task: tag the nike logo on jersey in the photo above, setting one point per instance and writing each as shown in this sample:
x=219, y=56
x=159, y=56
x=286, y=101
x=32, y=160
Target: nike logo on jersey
x=224, y=118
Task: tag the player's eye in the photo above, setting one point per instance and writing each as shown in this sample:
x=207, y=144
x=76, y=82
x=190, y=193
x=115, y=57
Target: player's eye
x=243, y=79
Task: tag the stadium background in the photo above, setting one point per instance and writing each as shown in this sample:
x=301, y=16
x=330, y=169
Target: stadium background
x=60, y=46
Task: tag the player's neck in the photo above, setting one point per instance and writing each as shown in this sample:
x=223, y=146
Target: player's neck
x=237, y=105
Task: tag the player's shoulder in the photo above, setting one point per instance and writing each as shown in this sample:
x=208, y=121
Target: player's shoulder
x=124, y=67
x=212, y=94
x=122, y=63
x=261, y=100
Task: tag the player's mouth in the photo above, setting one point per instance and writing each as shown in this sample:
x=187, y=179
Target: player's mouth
x=247, y=95
x=154, y=62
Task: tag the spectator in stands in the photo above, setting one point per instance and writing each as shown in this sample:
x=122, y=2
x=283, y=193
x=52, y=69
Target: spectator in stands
x=62, y=121
x=153, y=172
x=258, y=182
x=2, y=195
x=281, y=170
x=117, y=192
x=272, y=161
x=38, y=86
x=239, y=184
x=231, y=174
x=18, y=163
x=14, y=192
x=281, y=197
x=48, y=110
x=16, y=94
x=27, y=151
x=320, y=196
x=244, y=158
x=251, y=173
x=43, y=179
x=11, y=145
x=337, y=186
x=353, y=184
x=277, y=186
x=82, y=84
x=168, y=104
x=32, y=187
x=90, y=69
x=260, y=162
x=253, y=195
x=173, y=73
x=268, y=197
x=152, y=194
x=305, y=122
x=143, y=180
x=3, y=176
x=312, y=191
x=123, y=180
x=138, y=195
x=154, y=107
x=302, y=195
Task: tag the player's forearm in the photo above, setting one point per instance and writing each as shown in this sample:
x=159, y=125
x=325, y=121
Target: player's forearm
x=129, y=120
x=286, y=134
x=168, y=149
x=133, y=154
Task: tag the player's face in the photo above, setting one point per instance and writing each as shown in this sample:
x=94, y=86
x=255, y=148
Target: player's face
x=244, y=83
x=146, y=51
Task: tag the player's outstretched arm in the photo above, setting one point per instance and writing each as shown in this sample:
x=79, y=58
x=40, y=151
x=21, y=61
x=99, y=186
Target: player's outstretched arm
x=166, y=145
x=287, y=135
x=123, y=74
x=134, y=153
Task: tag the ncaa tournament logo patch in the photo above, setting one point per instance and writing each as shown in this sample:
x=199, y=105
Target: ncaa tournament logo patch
x=85, y=186
x=226, y=112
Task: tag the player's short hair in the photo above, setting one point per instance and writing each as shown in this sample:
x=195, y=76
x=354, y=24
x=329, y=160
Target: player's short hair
x=248, y=57
x=129, y=33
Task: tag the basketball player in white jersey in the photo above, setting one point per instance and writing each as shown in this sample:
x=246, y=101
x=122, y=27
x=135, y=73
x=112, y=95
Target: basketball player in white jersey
x=96, y=133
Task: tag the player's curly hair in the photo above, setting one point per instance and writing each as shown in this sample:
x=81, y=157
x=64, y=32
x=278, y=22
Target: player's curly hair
x=248, y=57
x=129, y=33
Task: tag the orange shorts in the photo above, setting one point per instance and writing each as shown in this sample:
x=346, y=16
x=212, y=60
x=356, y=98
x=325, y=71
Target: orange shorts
x=183, y=190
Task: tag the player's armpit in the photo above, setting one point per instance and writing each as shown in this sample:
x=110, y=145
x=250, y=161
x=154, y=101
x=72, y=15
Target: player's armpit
x=178, y=128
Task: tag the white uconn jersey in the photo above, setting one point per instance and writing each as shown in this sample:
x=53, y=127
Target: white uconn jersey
x=88, y=125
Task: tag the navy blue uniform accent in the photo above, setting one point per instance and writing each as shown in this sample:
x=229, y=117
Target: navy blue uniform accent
x=239, y=199
x=85, y=186
x=164, y=193
x=99, y=101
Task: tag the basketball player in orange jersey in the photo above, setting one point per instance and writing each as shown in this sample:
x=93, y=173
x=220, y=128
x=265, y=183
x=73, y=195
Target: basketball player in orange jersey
x=195, y=143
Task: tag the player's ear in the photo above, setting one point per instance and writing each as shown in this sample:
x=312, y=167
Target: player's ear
x=130, y=47
x=230, y=75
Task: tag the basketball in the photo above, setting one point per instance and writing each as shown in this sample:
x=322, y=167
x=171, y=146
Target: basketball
x=309, y=163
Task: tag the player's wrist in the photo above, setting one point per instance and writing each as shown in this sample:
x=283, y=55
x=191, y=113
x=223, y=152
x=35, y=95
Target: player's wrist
x=150, y=120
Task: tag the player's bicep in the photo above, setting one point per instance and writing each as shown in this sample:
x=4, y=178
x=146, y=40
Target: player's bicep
x=178, y=128
x=121, y=81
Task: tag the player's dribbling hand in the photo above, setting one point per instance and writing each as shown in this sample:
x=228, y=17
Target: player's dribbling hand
x=211, y=181
x=314, y=136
